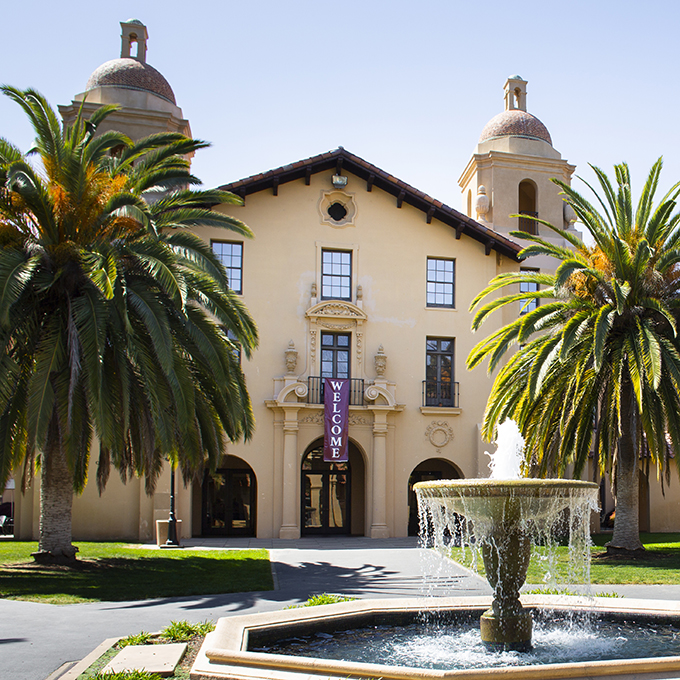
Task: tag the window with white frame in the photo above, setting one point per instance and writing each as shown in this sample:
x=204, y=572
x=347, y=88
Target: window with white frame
x=336, y=274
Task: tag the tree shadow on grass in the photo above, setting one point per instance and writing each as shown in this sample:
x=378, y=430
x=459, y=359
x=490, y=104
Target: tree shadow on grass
x=310, y=578
x=119, y=579
x=196, y=583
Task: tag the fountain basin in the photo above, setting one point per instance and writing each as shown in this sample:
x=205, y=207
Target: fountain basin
x=225, y=652
x=491, y=500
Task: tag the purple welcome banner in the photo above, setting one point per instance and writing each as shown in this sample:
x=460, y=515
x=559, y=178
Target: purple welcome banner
x=336, y=420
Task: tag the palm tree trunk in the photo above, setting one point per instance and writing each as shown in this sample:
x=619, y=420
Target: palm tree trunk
x=56, y=501
x=626, y=535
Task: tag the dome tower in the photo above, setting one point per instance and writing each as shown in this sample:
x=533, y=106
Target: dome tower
x=510, y=171
x=147, y=100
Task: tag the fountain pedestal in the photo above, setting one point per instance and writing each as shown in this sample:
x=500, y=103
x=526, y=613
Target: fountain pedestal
x=506, y=625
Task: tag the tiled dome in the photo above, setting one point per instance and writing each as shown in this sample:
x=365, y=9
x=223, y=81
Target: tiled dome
x=132, y=74
x=515, y=123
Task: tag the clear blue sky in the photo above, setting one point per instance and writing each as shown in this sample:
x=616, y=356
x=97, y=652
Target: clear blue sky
x=406, y=85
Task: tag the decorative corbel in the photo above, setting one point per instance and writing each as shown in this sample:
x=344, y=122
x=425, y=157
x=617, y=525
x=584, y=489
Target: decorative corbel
x=291, y=358
x=380, y=362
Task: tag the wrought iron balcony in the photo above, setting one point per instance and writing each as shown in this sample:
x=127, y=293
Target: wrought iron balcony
x=440, y=393
x=315, y=391
x=528, y=223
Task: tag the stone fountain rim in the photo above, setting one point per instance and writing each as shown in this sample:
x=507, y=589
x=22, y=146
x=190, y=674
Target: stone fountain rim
x=498, y=487
x=224, y=652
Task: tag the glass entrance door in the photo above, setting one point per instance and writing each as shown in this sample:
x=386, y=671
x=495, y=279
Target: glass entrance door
x=325, y=495
x=229, y=503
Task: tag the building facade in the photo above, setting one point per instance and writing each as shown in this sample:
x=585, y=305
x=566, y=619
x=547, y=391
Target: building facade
x=352, y=274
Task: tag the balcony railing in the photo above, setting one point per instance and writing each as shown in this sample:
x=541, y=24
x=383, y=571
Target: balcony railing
x=315, y=391
x=528, y=223
x=439, y=393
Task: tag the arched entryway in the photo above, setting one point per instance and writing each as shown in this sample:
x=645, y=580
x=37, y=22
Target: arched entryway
x=332, y=493
x=229, y=500
x=428, y=470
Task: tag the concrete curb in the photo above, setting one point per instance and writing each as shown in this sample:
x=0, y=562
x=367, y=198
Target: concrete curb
x=81, y=666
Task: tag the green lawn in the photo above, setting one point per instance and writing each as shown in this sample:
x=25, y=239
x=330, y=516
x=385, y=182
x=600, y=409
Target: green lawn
x=118, y=571
x=660, y=563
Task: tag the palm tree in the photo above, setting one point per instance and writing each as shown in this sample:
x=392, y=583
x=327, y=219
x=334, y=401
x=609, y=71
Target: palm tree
x=113, y=315
x=598, y=367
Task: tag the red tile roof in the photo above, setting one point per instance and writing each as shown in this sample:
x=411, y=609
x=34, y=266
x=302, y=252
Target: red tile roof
x=343, y=160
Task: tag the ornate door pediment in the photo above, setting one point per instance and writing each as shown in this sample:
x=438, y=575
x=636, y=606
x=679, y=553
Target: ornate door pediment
x=337, y=316
x=336, y=310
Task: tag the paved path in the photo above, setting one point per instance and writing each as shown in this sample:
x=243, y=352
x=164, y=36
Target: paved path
x=36, y=639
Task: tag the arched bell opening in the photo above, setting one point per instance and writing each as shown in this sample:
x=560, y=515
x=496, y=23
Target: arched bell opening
x=527, y=207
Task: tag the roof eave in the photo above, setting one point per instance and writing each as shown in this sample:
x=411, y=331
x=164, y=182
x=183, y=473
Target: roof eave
x=340, y=159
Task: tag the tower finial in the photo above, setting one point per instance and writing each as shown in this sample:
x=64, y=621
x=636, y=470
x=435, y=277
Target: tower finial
x=515, y=93
x=133, y=31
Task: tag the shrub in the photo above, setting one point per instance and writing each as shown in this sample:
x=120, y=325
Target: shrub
x=181, y=631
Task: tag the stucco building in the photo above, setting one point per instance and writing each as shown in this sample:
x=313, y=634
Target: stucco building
x=352, y=273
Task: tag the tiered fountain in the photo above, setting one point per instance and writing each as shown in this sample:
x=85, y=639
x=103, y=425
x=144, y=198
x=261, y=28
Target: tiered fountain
x=502, y=515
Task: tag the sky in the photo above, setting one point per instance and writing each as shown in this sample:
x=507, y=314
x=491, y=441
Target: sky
x=408, y=86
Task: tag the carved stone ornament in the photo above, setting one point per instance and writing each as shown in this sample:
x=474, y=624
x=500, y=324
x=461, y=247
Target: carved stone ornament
x=333, y=309
x=380, y=362
x=314, y=289
x=315, y=418
x=482, y=203
x=337, y=309
x=569, y=214
x=337, y=209
x=312, y=344
x=336, y=326
x=439, y=433
x=291, y=358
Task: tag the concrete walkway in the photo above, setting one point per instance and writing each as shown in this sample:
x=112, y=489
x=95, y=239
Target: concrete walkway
x=36, y=639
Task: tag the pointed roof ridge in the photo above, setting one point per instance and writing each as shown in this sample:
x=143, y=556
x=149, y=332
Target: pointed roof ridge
x=342, y=159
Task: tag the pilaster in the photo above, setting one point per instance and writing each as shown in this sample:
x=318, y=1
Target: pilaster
x=290, y=526
x=379, y=528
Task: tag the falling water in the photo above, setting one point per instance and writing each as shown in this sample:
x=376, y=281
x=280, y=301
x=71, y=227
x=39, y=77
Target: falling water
x=467, y=513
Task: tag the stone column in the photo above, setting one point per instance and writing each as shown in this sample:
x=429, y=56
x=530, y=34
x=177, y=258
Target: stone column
x=379, y=476
x=290, y=527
